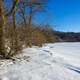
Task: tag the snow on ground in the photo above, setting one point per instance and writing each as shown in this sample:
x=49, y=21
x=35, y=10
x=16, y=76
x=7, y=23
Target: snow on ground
x=59, y=61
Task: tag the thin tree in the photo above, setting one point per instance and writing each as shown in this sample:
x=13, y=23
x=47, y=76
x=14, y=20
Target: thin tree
x=34, y=6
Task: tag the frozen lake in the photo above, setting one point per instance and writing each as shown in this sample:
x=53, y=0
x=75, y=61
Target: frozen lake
x=59, y=61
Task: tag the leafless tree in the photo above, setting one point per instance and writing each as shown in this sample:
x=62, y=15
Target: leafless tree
x=2, y=22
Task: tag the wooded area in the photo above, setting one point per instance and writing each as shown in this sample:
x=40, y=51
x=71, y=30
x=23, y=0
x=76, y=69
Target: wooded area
x=17, y=29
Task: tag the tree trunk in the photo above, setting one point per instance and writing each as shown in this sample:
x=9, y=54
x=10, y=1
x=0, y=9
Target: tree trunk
x=30, y=16
x=1, y=29
x=14, y=33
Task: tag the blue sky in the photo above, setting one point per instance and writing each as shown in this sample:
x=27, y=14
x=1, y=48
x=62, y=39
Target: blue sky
x=62, y=15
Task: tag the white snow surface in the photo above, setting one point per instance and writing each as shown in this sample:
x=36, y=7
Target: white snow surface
x=59, y=61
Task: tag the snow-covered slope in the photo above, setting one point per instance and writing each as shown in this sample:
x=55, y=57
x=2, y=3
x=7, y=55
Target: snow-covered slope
x=59, y=61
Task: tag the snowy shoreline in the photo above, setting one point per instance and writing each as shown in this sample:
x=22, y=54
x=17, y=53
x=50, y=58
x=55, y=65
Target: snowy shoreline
x=59, y=61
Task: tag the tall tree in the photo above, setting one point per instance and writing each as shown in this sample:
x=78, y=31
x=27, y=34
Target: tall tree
x=1, y=28
x=34, y=6
x=2, y=22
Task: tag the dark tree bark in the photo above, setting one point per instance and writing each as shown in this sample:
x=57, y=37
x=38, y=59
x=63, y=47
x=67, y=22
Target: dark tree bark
x=1, y=29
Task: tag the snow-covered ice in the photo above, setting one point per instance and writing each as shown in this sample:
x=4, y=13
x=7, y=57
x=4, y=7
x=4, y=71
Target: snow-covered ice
x=59, y=61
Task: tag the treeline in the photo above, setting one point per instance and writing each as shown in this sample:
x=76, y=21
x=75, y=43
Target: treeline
x=68, y=36
x=17, y=29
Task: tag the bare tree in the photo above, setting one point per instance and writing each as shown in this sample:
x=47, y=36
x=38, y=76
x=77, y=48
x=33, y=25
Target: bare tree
x=2, y=22
x=35, y=6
